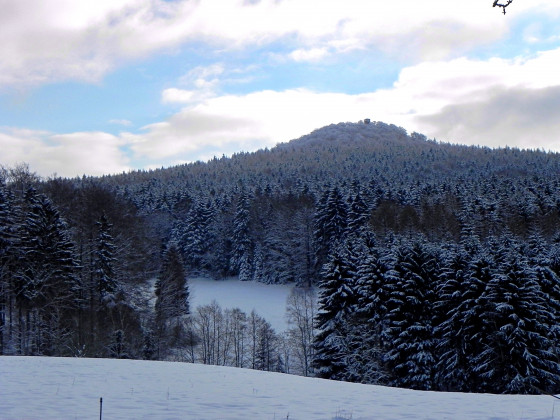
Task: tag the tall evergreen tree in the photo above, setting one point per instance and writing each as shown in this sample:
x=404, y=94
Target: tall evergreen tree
x=459, y=296
x=242, y=246
x=358, y=214
x=517, y=356
x=337, y=298
x=105, y=262
x=373, y=292
x=195, y=238
x=172, y=300
x=330, y=224
x=409, y=331
x=8, y=252
x=47, y=280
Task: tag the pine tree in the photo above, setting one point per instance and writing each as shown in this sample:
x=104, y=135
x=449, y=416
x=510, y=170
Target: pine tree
x=358, y=215
x=105, y=263
x=8, y=256
x=337, y=300
x=172, y=300
x=373, y=291
x=517, y=356
x=195, y=238
x=330, y=224
x=242, y=246
x=409, y=332
x=46, y=280
x=458, y=295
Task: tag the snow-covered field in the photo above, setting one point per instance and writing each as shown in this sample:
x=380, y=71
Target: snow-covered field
x=269, y=301
x=34, y=388
x=70, y=388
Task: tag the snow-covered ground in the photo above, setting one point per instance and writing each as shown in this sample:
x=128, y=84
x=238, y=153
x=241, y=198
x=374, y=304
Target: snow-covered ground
x=70, y=388
x=269, y=301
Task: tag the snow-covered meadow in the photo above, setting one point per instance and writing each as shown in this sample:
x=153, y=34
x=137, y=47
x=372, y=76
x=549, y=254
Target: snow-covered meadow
x=34, y=388
x=44, y=388
x=268, y=300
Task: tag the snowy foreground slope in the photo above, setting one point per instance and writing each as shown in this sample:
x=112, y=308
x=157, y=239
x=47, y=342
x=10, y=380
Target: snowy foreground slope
x=70, y=388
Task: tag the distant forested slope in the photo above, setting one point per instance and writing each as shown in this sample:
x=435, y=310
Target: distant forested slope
x=256, y=214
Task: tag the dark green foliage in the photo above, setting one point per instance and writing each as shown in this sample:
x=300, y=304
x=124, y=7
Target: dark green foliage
x=408, y=334
x=337, y=298
x=105, y=261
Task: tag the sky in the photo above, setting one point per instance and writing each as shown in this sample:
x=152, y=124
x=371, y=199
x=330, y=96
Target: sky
x=109, y=86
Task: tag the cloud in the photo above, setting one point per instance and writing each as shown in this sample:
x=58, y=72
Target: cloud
x=60, y=40
x=515, y=117
x=494, y=102
x=69, y=155
x=312, y=54
x=174, y=95
x=125, y=123
x=460, y=100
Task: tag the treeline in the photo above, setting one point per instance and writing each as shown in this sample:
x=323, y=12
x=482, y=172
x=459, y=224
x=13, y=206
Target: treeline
x=69, y=279
x=91, y=288
x=481, y=315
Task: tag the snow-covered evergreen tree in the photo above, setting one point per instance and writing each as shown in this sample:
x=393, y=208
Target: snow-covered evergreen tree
x=330, y=224
x=337, y=299
x=105, y=262
x=409, y=332
x=242, y=247
x=46, y=280
x=460, y=287
x=518, y=356
x=172, y=300
x=373, y=292
x=358, y=214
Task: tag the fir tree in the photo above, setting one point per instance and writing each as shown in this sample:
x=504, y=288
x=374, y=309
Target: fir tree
x=105, y=262
x=460, y=287
x=337, y=298
x=517, y=356
x=373, y=291
x=47, y=283
x=172, y=299
x=242, y=249
x=409, y=332
x=330, y=224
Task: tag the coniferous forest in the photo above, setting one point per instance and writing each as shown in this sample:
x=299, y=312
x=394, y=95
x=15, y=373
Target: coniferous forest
x=436, y=266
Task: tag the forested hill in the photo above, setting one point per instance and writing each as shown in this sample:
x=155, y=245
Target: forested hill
x=257, y=213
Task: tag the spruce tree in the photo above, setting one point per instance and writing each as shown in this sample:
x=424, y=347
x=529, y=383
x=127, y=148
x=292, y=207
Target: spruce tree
x=172, y=300
x=409, y=331
x=460, y=287
x=517, y=356
x=47, y=281
x=373, y=291
x=242, y=247
x=330, y=224
x=337, y=298
x=105, y=263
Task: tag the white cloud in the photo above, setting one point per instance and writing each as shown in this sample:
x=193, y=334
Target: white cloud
x=496, y=102
x=125, y=123
x=62, y=39
x=93, y=153
x=174, y=95
x=312, y=54
x=445, y=99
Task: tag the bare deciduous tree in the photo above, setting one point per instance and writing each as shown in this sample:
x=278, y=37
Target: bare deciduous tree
x=301, y=309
